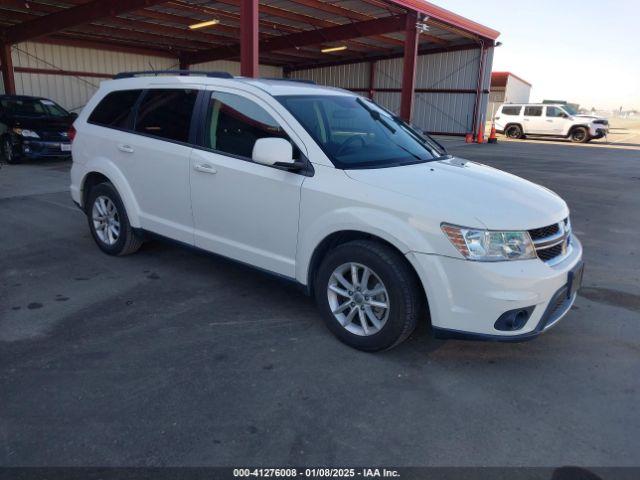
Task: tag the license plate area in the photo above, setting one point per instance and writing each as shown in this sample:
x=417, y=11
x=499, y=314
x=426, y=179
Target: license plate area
x=574, y=281
x=65, y=147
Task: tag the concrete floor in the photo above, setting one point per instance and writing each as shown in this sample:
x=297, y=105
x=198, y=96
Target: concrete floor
x=174, y=357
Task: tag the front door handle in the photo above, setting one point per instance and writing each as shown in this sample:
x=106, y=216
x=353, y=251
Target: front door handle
x=125, y=148
x=204, y=168
x=550, y=121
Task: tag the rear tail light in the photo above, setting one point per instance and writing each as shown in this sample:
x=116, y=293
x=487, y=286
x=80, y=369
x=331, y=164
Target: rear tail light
x=71, y=133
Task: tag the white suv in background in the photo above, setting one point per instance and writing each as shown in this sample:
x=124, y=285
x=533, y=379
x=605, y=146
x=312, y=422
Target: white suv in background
x=327, y=189
x=548, y=120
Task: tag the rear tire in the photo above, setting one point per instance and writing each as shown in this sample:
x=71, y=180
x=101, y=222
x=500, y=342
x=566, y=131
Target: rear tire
x=514, y=132
x=579, y=135
x=379, y=309
x=109, y=223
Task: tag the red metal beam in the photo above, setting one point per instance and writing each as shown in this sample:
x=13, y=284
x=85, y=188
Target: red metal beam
x=249, y=38
x=104, y=44
x=64, y=73
x=129, y=32
x=311, y=37
x=281, y=12
x=476, y=106
x=86, y=13
x=409, y=66
x=7, y=69
x=422, y=50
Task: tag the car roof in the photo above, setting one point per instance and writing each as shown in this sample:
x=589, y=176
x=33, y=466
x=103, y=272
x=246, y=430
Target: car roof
x=533, y=104
x=274, y=87
x=21, y=97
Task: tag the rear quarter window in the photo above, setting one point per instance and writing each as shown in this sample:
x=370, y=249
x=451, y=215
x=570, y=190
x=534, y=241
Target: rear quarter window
x=115, y=109
x=511, y=110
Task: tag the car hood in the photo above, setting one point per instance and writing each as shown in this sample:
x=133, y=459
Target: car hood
x=470, y=194
x=41, y=123
x=590, y=117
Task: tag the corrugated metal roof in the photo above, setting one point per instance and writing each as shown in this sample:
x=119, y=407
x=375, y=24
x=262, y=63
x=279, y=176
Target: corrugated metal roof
x=163, y=29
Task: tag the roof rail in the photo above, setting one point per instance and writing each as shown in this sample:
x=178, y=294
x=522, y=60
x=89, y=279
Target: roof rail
x=299, y=80
x=172, y=72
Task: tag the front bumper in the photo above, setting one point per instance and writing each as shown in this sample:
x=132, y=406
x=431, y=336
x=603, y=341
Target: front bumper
x=598, y=131
x=466, y=298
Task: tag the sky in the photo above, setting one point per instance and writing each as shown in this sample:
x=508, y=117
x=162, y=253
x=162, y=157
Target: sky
x=582, y=51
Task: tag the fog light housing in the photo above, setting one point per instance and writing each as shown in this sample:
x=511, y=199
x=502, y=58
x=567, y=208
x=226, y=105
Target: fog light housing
x=513, y=319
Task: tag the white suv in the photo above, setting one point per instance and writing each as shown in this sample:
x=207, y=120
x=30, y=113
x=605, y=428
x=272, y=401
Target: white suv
x=547, y=120
x=329, y=190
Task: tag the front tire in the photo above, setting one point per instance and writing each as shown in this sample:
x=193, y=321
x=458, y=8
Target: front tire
x=7, y=151
x=109, y=223
x=580, y=135
x=370, y=297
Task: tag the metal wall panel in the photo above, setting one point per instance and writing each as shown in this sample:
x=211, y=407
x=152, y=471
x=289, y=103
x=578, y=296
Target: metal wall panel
x=436, y=112
x=354, y=75
x=73, y=92
x=234, y=68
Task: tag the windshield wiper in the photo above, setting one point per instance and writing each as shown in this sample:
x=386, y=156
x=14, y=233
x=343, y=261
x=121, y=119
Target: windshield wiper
x=376, y=115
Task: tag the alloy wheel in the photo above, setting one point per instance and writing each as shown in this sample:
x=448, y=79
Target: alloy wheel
x=106, y=220
x=358, y=299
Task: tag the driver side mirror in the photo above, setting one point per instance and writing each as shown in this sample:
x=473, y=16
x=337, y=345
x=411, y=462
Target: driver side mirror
x=273, y=151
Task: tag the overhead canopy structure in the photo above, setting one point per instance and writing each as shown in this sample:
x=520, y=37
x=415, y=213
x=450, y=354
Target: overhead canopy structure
x=292, y=34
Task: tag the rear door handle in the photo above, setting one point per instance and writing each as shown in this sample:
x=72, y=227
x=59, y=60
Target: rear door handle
x=125, y=148
x=550, y=121
x=204, y=168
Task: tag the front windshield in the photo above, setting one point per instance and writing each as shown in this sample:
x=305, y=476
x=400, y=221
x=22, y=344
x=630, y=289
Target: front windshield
x=356, y=133
x=570, y=110
x=33, y=107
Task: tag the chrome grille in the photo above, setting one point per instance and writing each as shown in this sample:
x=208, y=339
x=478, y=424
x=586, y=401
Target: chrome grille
x=544, y=232
x=552, y=242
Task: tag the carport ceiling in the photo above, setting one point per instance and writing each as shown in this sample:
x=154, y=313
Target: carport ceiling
x=292, y=32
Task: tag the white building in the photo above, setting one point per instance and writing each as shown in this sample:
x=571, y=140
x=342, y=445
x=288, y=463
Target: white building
x=507, y=88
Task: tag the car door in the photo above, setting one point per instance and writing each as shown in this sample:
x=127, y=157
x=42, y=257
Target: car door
x=533, y=121
x=158, y=153
x=556, y=120
x=242, y=209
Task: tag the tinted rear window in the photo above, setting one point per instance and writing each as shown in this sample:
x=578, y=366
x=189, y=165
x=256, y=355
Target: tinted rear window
x=115, y=109
x=511, y=110
x=533, y=111
x=166, y=113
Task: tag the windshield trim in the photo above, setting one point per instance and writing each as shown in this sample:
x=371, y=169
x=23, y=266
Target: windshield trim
x=389, y=120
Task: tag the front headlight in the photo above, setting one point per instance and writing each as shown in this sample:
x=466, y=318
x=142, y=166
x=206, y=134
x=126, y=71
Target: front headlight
x=490, y=245
x=26, y=133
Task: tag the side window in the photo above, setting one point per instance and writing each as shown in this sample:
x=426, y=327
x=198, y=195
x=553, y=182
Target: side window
x=532, y=111
x=235, y=123
x=166, y=113
x=115, y=109
x=554, y=112
x=511, y=110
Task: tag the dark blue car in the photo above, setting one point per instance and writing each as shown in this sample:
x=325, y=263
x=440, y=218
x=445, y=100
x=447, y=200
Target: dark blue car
x=33, y=127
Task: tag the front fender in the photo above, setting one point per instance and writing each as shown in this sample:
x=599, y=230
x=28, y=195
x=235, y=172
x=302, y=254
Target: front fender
x=106, y=167
x=384, y=225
